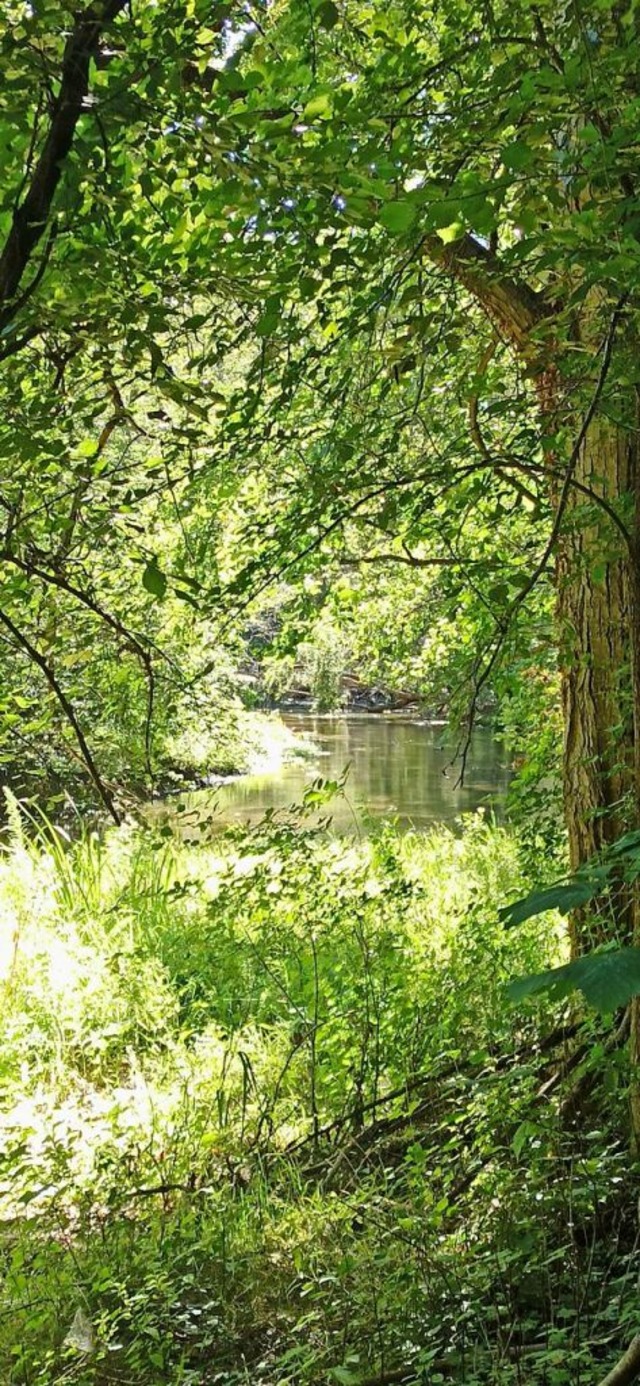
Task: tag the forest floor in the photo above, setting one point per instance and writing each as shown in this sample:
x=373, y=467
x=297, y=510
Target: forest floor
x=268, y=1117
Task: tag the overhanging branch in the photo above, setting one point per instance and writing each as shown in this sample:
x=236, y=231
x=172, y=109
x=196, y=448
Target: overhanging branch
x=32, y=215
x=513, y=307
x=57, y=579
x=41, y=663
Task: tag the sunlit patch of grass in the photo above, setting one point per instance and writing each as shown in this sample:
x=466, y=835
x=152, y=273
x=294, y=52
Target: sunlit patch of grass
x=179, y=1025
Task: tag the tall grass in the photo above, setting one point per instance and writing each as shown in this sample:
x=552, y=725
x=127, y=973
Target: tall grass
x=200, y=1047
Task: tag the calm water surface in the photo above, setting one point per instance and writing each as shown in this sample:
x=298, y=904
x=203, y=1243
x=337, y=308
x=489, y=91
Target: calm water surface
x=398, y=767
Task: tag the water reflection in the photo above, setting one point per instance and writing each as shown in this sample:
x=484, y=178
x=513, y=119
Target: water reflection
x=399, y=767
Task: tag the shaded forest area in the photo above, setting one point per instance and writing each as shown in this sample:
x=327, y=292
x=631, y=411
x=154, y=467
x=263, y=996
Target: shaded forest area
x=319, y=371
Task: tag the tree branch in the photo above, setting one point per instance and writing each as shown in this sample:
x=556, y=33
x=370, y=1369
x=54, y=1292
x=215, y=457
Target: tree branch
x=513, y=307
x=475, y=430
x=15, y=344
x=56, y=579
x=67, y=706
x=31, y=217
x=39, y=274
x=627, y=1369
x=409, y=559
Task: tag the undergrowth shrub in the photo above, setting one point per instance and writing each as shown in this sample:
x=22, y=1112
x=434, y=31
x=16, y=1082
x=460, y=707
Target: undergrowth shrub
x=266, y=1115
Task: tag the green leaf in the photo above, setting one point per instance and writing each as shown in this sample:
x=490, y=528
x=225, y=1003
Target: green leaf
x=328, y=15
x=566, y=896
x=622, y=857
x=87, y=448
x=320, y=107
x=267, y=324
x=397, y=216
x=451, y=233
x=517, y=155
x=154, y=580
x=523, y=1135
x=606, y=980
x=308, y=287
x=628, y=844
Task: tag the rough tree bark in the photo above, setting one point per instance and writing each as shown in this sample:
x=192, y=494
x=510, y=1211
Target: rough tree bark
x=598, y=647
x=596, y=545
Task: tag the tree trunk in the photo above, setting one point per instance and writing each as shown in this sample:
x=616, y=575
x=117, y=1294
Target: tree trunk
x=598, y=639
x=598, y=587
x=598, y=583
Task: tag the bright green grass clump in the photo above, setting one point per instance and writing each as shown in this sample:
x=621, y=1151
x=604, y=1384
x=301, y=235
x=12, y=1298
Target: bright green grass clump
x=260, y=1119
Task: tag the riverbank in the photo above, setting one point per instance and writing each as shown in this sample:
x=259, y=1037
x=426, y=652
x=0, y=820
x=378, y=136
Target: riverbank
x=264, y=745
x=381, y=767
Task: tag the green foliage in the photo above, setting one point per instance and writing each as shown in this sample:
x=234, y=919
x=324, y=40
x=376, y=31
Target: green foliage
x=565, y=896
x=323, y=661
x=264, y=1105
x=191, y=1020
x=606, y=980
x=272, y=380
x=154, y=580
x=300, y=313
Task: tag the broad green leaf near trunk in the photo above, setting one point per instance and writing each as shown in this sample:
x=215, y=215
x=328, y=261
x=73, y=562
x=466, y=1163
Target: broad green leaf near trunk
x=608, y=981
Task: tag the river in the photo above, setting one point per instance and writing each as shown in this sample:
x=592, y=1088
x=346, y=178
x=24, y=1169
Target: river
x=399, y=767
